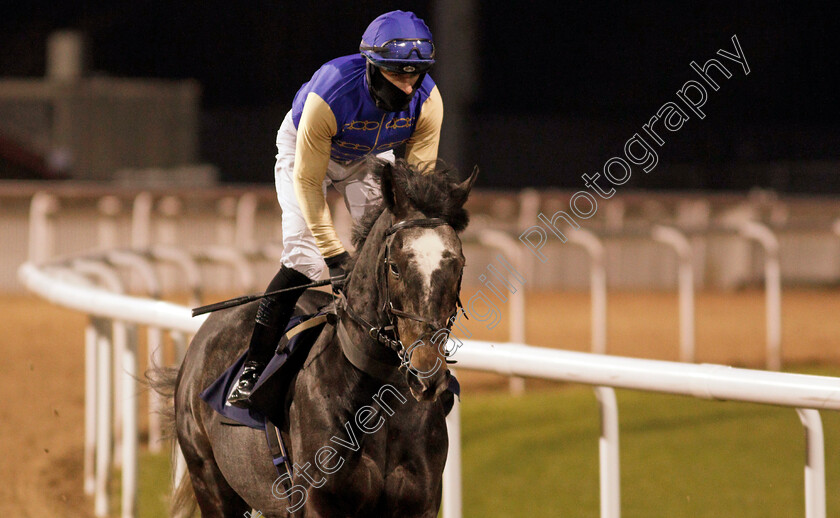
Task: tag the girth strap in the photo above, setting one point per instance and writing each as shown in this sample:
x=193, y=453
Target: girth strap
x=279, y=454
x=303, y=326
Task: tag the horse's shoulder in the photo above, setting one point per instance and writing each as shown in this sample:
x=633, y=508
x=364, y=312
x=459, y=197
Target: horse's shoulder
x=322, y=343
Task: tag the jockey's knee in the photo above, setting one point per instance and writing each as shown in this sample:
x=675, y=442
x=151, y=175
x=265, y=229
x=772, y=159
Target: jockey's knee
x=312, y=267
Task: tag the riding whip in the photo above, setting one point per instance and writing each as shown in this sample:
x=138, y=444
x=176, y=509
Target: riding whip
x=238, y=301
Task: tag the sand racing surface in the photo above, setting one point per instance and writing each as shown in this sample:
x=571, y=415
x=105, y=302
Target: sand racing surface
x=42, y=386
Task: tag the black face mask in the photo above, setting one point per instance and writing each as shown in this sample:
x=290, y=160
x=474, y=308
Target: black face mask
x=385, y=94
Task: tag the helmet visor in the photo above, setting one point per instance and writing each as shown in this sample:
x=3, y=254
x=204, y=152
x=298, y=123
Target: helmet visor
x=404, y=49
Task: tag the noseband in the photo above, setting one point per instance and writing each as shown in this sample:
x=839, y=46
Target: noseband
x=388, y=334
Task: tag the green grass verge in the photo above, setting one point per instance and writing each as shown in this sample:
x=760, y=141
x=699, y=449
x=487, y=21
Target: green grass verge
x=153, y=486
x=680, y=457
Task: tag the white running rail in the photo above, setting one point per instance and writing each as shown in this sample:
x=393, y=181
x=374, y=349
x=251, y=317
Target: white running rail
x=806, y=393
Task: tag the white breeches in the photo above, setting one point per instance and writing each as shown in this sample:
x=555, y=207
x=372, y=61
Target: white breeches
x=359, y=189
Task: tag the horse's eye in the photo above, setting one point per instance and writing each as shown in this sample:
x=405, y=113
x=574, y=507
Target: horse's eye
x=394, y=270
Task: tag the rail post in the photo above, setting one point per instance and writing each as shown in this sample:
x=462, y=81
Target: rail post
x=154, y=343
x=772, y=288
x=597, y=285
x=42, y=210
x=529, y=207
x=109, y=208
x=516, y=310
x=102, y=331
x=814, y=463
x=109, y=278
x=141, y=221
x=226, y=220
x=91, y=344
x=685, y=285
x=608, y=451
x=246, y=215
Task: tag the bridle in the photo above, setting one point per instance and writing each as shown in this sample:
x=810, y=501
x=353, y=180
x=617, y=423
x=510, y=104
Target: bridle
x=388, y=334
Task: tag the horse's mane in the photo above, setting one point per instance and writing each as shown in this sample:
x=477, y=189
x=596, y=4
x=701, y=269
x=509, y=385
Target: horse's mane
x=428, y=188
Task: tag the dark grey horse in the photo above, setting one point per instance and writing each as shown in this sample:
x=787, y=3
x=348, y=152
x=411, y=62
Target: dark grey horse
x=361, y=445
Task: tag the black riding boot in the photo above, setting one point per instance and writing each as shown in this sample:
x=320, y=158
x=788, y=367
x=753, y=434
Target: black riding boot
x=272, y=317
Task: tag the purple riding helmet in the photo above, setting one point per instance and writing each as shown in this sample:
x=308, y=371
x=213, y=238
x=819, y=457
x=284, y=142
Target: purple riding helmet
x=401, y=43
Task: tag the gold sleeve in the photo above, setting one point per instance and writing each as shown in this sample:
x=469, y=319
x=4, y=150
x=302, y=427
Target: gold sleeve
x=312, y=155
x=423, y=144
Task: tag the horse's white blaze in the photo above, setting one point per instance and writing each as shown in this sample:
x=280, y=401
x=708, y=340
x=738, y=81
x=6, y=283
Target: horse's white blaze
x=428, y=253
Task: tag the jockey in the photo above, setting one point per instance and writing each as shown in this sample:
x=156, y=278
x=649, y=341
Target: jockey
x=354, y=106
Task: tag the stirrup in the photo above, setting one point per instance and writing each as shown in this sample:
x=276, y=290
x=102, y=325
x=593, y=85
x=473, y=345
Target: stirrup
x=245, y=383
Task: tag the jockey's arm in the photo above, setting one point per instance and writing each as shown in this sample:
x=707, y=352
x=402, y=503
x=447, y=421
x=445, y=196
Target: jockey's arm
x=423, y=144
x=312, y=155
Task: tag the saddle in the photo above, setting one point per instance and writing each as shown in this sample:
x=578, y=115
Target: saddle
x=292, y=350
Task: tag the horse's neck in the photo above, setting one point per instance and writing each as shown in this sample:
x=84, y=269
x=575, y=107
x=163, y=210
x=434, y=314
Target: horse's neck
x=363, y=289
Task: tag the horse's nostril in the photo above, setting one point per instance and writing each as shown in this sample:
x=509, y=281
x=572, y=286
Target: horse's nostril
x=427, y=389
x=419, y=387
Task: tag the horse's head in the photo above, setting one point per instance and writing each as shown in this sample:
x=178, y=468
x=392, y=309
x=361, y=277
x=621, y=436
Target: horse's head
x=419, y=265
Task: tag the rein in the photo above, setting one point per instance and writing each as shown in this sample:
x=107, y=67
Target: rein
x=238, y=301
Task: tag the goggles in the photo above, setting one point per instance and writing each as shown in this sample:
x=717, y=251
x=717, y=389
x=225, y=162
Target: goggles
x=400, y=49
x=403, y=67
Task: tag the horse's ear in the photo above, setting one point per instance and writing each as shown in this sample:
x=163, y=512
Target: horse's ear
x=392, y=192
x=461, y=191
x=387, y=185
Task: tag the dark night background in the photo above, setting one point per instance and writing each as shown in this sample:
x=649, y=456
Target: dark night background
x=561, y=86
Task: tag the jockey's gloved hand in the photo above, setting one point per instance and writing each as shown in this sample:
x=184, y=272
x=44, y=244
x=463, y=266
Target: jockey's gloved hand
x=338, y=274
